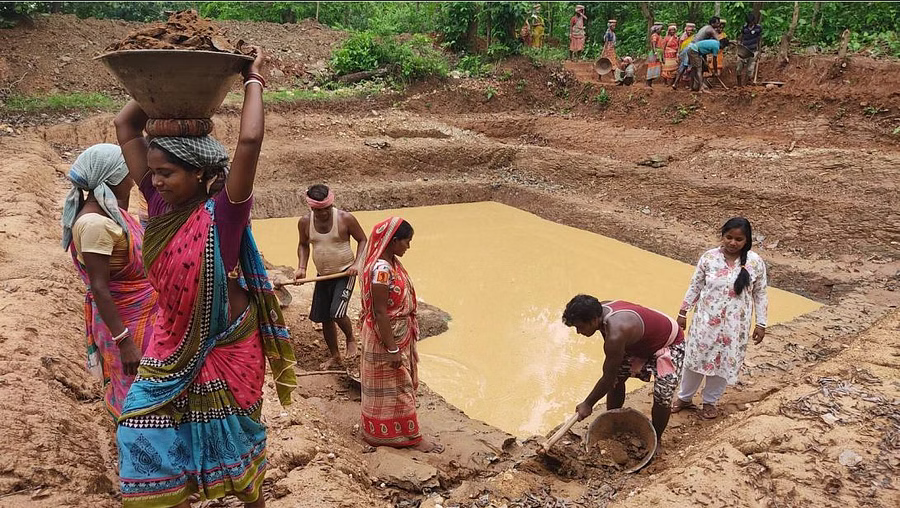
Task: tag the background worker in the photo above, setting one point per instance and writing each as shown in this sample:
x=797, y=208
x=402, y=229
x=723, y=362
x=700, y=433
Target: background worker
x=750, y=38
x=328, y=230
x=624, y=74
x=697, y=52
x=577, y=33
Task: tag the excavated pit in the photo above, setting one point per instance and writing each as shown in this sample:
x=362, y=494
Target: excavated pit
x=825, y=219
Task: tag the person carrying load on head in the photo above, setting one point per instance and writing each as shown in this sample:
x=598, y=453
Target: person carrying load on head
x=670, y=55
x=609, y=44
x=328, y=230
x=191, y=423
x=577, y=33
x=655, y=57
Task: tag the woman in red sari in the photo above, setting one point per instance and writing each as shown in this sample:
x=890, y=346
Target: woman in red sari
x=670, y=55
x=389, y=368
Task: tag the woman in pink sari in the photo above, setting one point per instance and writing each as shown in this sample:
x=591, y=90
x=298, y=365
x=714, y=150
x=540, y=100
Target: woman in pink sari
x=105, y=242
x=389, y=361
x=191, y=421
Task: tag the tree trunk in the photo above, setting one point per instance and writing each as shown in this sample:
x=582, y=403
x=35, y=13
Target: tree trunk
x=757, y=11
x=718, y=9
x=489, y=28
x=548, y=34
x=815, y=16
x=55, y=7
x=647, y=11
x=693, y=12
x=317, y=11
x=845, y=40
x=786, y=39
x=472, y=30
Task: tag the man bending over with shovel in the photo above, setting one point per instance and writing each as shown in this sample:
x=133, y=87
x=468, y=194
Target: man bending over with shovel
x=329, y=229
x=638, y=342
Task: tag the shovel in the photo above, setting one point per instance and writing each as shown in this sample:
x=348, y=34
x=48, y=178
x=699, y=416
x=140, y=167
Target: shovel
x=284, y=296
x=559, y=434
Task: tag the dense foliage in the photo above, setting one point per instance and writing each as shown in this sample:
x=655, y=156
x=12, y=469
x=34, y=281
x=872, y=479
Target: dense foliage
x=414, y=58
x=491, y=27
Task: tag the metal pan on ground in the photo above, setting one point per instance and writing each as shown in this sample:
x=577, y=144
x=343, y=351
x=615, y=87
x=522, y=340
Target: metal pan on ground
x=615, y=421
x=603, y=66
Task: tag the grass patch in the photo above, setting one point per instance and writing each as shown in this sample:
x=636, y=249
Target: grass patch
x=315, y=94
x=546, y=54
x=60, y=102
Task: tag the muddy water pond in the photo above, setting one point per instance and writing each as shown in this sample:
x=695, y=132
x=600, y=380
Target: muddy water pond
x=505, y=276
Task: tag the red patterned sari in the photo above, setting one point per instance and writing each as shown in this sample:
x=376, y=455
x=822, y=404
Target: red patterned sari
x=670, y=54
x=135, y=300
x=388, y=394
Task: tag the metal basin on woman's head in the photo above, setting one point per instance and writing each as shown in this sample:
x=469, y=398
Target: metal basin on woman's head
x=176, y=83
x=614, y=421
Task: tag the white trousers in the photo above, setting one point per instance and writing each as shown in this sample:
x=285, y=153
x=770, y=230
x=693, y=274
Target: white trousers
x=690, y=383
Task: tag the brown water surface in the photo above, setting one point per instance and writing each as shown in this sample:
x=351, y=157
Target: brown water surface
x=505, y=276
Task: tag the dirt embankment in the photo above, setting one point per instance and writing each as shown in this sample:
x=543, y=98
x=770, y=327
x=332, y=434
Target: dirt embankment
x=55, y=55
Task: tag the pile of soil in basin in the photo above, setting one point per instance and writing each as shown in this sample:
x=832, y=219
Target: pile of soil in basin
x=183, y=30
x=624, y=450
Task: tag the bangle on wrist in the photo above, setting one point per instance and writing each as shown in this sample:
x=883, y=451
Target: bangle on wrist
x=257, y=76
x=392, y=352
x=122, y=336
x=253, y=80
x=761, y=326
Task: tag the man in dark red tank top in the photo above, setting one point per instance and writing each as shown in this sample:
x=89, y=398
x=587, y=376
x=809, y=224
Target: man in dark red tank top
x=638, y=342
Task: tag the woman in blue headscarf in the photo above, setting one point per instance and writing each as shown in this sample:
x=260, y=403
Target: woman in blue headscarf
x=105, y=242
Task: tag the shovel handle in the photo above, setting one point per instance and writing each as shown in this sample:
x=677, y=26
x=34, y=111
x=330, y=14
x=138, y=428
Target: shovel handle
x=560, y=433
x=314, y=279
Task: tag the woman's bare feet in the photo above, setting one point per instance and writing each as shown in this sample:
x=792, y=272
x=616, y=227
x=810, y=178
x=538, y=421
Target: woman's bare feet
x=331, y=363
x=352, y=350
x=428, y=446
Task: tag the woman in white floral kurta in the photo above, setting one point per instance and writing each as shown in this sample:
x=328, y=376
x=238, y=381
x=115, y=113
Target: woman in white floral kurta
x=720, y=329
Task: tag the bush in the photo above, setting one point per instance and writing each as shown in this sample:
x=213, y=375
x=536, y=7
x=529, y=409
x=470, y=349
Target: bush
x=414, y=58
x=474, y=65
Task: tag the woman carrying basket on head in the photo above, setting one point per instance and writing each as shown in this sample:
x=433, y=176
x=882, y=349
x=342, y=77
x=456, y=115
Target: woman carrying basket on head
x=655, y=57
x=191, y=422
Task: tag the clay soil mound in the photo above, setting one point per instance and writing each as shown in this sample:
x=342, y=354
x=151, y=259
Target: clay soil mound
x=183, y=30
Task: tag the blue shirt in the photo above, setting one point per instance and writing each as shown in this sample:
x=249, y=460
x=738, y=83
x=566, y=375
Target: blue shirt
x=707, y=47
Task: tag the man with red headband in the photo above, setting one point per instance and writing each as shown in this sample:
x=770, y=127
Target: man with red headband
x=328, y=230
